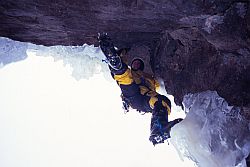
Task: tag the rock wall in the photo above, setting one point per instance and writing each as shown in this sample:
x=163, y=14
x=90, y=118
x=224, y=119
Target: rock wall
x=193, y=45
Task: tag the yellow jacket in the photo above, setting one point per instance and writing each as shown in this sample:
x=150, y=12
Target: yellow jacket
x=147, y=83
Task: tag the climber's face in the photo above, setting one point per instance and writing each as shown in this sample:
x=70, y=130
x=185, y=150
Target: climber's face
x=136, y=65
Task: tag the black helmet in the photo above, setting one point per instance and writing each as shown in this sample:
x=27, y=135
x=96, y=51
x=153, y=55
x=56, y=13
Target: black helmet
x=137, y=64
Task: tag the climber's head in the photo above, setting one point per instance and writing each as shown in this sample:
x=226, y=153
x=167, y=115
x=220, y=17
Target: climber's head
x=137, y=64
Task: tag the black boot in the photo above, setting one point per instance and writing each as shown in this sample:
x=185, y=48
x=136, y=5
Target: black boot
x=171, y=124
x=159, y=121
x=107, y=47
x=160, y=127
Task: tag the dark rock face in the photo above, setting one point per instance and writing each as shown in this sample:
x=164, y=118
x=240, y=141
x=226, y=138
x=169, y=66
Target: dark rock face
x=193, y=45
x=191, y=63
x=213, y=55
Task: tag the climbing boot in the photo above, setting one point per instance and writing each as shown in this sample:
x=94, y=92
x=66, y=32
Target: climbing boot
x=107, y=47
x=159, y=121
x=160, y=127
x=172, y=123
x=158, y=135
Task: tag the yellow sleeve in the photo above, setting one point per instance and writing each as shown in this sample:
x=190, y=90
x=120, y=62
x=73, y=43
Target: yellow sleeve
x=154, y=84
x=157, y=85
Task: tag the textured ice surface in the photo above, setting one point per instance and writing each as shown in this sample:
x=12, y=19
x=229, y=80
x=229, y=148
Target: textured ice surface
x=11, y=51
x=75, y=56
x=213, y=134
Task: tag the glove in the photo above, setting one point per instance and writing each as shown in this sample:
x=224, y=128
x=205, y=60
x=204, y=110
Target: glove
x=106, y=44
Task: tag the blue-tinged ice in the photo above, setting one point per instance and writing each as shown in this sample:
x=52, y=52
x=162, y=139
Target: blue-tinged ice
x=213, y=134
x=11, y=51
x=84, y=60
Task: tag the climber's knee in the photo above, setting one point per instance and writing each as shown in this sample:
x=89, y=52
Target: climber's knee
x=160, y=101
x=152, y=101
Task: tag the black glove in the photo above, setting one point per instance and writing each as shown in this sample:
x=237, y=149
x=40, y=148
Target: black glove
x=106, y=44
x=103, y=37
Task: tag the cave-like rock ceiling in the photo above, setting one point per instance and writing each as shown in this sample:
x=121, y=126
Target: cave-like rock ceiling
x=193, y=45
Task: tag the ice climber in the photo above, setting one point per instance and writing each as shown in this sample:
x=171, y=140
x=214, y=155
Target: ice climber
x=139, y=90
